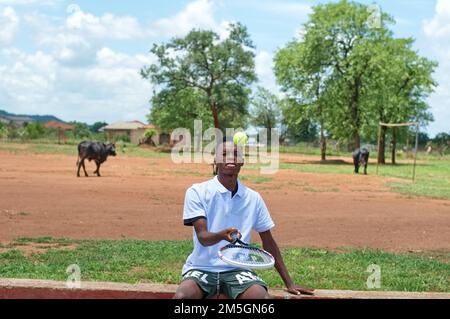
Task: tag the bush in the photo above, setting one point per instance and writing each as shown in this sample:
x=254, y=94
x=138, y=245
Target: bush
x=3, y=131
x=34, y=130
x=123, y=138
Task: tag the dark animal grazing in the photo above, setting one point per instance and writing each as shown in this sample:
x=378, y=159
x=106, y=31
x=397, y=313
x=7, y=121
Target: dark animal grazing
x=96, y=151
x=361, y=158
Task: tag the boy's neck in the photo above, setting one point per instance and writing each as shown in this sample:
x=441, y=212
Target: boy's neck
x=229, y=181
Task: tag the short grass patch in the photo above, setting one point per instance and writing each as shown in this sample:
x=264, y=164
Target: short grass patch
x=134, y=261
x=432, y=175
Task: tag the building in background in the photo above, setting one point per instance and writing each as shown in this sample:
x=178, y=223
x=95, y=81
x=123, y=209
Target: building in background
x=61, y=127
x=134, y=132
x=15, y=121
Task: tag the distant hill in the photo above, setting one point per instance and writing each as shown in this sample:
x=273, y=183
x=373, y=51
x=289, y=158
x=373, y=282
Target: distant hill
x=37, y=118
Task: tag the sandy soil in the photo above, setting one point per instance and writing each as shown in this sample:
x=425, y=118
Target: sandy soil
x=142, y=198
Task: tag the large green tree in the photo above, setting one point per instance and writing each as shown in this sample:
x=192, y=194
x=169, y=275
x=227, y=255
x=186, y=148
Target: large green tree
x=303, y=75
x=345, y=67
x=265, y=111
x=202, y=72
x=398, y=89
x=295, y=125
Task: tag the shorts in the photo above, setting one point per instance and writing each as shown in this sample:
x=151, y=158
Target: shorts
x=232, y=283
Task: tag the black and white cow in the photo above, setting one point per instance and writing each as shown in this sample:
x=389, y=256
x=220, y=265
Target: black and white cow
x=361, y=158
x=96, y=151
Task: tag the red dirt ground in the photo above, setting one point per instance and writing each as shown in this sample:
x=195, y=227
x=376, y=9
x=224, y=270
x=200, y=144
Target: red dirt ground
x=142, y=198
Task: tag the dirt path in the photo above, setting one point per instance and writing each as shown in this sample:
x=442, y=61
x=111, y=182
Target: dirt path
x=142, y=198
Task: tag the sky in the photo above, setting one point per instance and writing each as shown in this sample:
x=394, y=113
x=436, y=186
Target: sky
x=80, y=60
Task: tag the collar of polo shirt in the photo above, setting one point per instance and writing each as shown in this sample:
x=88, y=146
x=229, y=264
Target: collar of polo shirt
x=222, y=189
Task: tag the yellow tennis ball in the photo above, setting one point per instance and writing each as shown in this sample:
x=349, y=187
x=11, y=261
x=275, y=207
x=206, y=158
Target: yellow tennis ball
x=240, y=138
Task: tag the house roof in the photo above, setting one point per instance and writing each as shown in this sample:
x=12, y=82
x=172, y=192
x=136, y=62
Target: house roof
x=56, y=124
x=131, y=125
x=17, y=118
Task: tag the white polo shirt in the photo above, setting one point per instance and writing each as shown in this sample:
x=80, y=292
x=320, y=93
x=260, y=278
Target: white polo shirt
x=245, y=211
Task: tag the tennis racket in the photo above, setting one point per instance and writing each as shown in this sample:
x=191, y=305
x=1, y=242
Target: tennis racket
x=243, y=255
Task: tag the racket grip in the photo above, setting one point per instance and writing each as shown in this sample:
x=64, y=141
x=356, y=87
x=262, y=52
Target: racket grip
x=234, y=236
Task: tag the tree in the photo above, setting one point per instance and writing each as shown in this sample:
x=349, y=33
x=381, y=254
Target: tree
x=3, y=130
x=295, y=125
x=350, y=74
x=398, y=88
x=266, y=110
x=203, y=69
x=80, y=130
x=34, y=130
x=96, y=126
x=442, y=142
x=303, y=75
x=173, y=109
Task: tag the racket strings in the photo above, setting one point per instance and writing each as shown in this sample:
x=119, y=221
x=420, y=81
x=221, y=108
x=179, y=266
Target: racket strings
x=246, y=255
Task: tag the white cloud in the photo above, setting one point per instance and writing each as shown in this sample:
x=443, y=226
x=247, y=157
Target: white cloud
x=264, y=69
x=106, y=26
x=111, y=89
x=439, y=26
x=9, y=22
x=76, y=75
x=437, y=32
x=29, y=2
x=197, y=14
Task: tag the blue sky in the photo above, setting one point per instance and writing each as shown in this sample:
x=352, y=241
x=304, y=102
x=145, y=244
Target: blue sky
x=79, y=60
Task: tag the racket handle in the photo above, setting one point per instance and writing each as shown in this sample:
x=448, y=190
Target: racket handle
x=234, y=236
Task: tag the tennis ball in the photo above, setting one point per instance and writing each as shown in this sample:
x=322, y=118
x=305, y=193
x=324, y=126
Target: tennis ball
x=240, y=138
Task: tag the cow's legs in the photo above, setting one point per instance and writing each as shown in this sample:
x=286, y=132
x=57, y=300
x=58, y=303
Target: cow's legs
x=80, y=163
x=365, y=169
x=356, y=168
x=84, y=167
x=97, y=171
x=79, y=166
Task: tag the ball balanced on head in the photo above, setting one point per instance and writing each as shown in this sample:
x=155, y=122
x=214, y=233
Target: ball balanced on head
x=240, y=138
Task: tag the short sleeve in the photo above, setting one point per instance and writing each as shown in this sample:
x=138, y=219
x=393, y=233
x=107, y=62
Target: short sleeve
x=193, y=207
x=263, y=221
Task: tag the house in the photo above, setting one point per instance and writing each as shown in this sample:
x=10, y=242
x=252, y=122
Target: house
x=15, y=121
x=61, y=127
x=134, y=130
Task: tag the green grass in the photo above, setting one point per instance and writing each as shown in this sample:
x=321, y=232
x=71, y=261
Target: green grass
x=432, y=174
x=122, y=149
x=135, y=261
x=257, y=179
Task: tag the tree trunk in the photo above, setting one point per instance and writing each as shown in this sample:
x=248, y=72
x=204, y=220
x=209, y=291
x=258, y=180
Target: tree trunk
x=356, y=139
x=269, y=132
x=394, y=144
x=323, y=144
x=355, y=113
x=381, y=158
x=215, y=115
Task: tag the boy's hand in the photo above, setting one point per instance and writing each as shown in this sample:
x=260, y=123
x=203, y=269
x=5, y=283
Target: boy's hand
x=297, y=290
x=226, y=233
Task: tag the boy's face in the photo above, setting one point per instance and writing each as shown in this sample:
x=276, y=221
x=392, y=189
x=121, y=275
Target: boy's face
x=228, y=159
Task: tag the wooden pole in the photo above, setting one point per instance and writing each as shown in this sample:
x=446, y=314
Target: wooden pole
x=415, y=151
x=379, y=136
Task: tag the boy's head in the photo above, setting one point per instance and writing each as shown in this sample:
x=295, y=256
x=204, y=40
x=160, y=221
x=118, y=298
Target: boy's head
x=229, y=158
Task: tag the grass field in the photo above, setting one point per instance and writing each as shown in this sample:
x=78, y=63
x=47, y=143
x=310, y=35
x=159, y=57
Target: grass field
x=134, y=261
x=432, y=172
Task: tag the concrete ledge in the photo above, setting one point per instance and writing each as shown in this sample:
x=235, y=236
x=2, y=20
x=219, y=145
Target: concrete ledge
x=49, y=289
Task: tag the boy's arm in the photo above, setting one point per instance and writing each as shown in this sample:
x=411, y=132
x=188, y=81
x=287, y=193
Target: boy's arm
x=207, y=238
x=271, y=246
